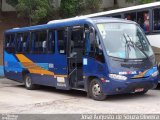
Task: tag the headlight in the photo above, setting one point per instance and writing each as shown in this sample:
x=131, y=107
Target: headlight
x=155, y=73
x=117, y=77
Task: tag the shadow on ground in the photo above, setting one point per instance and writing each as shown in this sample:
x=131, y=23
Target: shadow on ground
x=82, y=94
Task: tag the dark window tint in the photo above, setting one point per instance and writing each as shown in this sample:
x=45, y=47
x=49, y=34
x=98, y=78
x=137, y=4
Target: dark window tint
x=19, y=42
x=143, y=20
x=51, y=41
x=156, y=19
x=7, y=41
x=77, y=42
x=39, y=42
x=10, y=43
x=42, y=42
x=130, y=16
x=25, y=42
x=62, y=41
x=34, y=42
x=116, y=16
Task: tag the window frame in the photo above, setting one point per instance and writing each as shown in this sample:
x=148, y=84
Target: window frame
x=31, y=41
x=154, y=31
x=17, y=41
x=56, y=31
x=130, y=13
x=12, y=50
x=54, y=36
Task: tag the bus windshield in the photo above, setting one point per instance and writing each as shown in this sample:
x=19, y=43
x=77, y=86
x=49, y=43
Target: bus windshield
x=125, y=41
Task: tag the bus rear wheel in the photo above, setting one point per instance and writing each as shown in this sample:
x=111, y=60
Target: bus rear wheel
x=95, y=90
x=28, y=82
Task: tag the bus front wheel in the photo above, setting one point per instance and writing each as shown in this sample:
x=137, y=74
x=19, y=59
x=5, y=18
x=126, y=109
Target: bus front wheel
x=95, y=90
x=28, y=82
x=141, y=93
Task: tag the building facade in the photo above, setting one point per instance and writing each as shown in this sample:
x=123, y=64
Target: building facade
x=106, y=4
x=8, y=19
x=5, y=7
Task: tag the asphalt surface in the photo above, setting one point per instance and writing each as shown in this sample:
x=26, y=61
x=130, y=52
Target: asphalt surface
x=14, y=98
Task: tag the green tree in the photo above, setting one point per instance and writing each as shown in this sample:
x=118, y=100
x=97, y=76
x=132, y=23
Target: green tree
x=36, y=11
x=70, y=8
x=41, y=11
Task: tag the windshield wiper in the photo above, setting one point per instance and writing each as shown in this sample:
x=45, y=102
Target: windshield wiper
x=133, y=44
x=127, y=47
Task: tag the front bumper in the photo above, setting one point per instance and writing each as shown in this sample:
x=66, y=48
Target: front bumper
x=129, y=86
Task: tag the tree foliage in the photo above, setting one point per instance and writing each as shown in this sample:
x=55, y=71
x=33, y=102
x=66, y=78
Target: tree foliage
x=40, y=11
x=70, y=8
x=35, y=10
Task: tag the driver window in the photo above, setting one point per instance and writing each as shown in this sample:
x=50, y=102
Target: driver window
x=93, y=45
x=99, y=51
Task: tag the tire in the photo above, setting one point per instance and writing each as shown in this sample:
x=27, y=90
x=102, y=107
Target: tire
x=28, y=82
x=95, y=90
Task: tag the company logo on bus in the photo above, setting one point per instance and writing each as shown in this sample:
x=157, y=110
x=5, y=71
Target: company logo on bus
x=128, y=73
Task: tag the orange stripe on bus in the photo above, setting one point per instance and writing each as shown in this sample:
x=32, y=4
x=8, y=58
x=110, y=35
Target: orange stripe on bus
x=31, y=66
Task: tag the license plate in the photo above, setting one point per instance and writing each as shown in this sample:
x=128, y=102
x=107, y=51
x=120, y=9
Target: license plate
x=139, y=90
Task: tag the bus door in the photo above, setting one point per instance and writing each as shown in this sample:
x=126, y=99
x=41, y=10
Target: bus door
x=60, y=59
x=75, y=56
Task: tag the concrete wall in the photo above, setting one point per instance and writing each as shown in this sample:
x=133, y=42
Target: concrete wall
x=6, y=7
x=107, y=4
x=123, y=3
x=55, y=3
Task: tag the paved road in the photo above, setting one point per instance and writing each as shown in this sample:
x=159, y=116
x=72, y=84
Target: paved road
x=14, y=98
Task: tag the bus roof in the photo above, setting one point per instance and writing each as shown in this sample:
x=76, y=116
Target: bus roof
x=144, y=6
x=67, y=22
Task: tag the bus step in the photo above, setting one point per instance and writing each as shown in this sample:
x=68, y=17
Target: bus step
x=81, y=89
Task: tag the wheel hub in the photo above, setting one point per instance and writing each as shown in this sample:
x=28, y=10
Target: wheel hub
x=28, y=82
x=96, y=90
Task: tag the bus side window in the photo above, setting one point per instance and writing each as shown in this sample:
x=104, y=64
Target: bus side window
x=156, y=19
x=19, y=42
x=25, y=43
x=99, y=51
x=51, y=41
x=117, y=16
x=10, y=43
x=42, y=42
x=143, y=20
x=94, y=46
x=34, y=42
x=130, y=16
x=7, y=42
x=62, y=41
x=77, y=41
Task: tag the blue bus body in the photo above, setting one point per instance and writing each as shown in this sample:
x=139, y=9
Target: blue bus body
x=52, y=69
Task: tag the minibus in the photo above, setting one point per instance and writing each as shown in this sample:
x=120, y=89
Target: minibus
x=102, y=56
